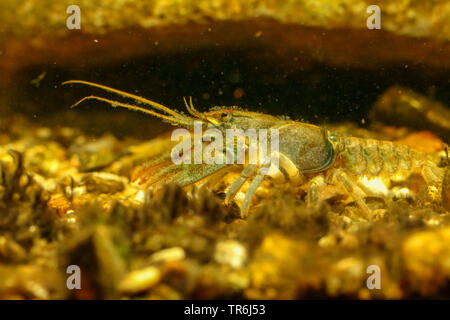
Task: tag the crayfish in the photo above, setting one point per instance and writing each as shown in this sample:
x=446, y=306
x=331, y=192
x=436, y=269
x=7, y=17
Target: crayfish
x=307, y=155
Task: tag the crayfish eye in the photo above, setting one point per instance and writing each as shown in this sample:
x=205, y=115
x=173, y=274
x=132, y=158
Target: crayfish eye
x=333, y=138
x=225, y=116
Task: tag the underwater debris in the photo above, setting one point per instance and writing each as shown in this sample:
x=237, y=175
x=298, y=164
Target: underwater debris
x=403, y=107
x=98, y=154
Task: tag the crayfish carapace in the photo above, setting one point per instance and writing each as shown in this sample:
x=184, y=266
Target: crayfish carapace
x=308, y=155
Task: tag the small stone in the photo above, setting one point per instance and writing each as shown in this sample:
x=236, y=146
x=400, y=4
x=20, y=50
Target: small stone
x=140, y=280
x=169, y=254
x=426, y=257
x=345, y=277
x=230, y=252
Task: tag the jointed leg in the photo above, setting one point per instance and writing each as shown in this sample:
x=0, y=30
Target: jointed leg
x=273, y=172
x=247, y=173
x=314, y=188
x=212, y=180
x=295, y=176
x=277, y=176
x=249, y=195
x=354, y=190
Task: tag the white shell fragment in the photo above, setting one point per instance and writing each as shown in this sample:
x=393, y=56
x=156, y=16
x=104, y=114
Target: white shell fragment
x=230, y=252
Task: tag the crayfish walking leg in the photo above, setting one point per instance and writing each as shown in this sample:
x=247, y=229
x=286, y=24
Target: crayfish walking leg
x=294, y=175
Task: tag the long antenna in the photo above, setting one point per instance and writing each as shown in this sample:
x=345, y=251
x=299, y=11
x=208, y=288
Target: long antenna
x=134, y=108
x=129, y=95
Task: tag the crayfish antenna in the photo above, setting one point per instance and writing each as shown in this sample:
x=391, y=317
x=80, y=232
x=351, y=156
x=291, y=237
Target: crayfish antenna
x=115, y=104
x=154, y=104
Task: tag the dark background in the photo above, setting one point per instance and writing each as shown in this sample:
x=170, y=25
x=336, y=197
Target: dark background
x=317, y=94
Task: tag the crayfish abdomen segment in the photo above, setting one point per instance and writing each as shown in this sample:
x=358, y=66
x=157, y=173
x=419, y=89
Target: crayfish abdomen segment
x=382, y=158
x=380, y=165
